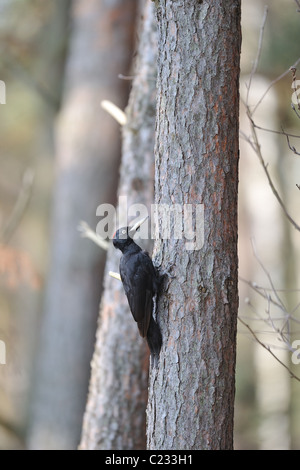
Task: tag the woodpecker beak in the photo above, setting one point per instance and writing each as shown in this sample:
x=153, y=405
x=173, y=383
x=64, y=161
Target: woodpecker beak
x=137, y=225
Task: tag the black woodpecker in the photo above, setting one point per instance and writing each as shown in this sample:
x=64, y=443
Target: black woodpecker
x=141, y=283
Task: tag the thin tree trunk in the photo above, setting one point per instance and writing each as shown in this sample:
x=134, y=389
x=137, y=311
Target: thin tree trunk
x=115, y=416
x=88, y=152
x=191, y=394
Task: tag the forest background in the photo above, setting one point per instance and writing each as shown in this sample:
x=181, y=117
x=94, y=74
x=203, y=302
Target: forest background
x=38, y=126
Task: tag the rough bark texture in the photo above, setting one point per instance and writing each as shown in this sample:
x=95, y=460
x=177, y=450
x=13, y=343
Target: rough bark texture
x=88, y=153
x=115, y=416
x=191, y=395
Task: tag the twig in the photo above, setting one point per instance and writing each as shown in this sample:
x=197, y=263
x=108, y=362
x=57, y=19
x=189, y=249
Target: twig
x=282, y=329
x=265, y=168
x=275, y=132
x=114, y=111
x=295, y=110
x=259, y=48
x=273, y=83
x=293, y=376
x=291, y=147
x=87, y=232
x=255, y=286
x=262, y=292
x=115, y=275
x=280, y=303
x=258, y=290
x=298, y=5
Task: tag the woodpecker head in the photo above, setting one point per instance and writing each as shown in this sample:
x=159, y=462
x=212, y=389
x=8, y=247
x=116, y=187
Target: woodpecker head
x=123, y=237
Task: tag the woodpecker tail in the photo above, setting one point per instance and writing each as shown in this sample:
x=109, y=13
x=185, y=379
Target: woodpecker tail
x=154, y=340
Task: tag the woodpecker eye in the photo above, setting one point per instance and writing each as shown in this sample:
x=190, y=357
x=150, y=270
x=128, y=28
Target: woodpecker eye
x=123, y=232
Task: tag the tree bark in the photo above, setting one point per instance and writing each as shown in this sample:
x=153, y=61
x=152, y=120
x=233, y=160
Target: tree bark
x=115, y=416
x=88, y=153
x=191, y=394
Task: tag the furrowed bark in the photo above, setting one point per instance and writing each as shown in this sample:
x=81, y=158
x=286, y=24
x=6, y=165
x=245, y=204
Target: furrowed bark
x=191, y=395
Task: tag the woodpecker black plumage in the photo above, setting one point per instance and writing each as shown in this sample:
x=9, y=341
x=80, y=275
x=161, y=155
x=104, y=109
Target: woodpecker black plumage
x=141, y=283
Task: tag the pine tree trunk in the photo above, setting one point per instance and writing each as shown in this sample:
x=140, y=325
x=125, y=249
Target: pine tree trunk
x=191, y=395
x=115, y=416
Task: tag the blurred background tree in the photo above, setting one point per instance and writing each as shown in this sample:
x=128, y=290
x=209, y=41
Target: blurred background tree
x=54, y=140
x=34, y=40
x=86, y=165
x=115, y=416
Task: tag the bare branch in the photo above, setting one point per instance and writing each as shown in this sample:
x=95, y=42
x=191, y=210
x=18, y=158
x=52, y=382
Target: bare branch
x=278, y=324
x=255, y=286
x=298, y=5
x=255, y=64
x=114, y=111
x=265, y=168
x=275, y=132
x=263, y=292
x=87, y=232
x=115, y=275
x=273, y=83
x=254, y=141
x=291, y=147
x=280, y=303
x=295, y=110
x=268, y=348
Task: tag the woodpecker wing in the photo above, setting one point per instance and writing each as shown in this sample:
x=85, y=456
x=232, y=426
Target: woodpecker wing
x=137, y=274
